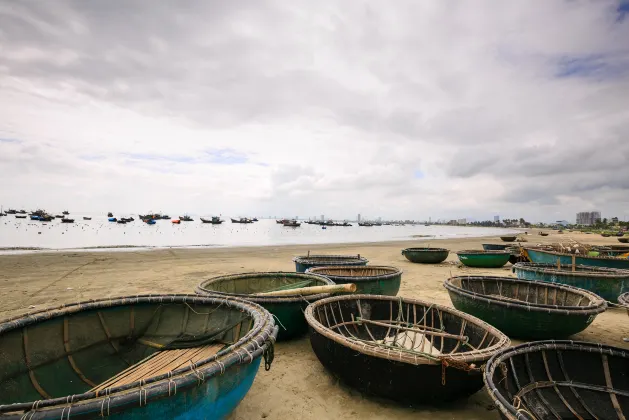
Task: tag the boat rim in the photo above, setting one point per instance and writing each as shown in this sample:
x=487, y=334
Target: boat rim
x=395, y=272
x=499, y=358
x=426, y=249
x=400, y=356
x=598, y=257
x=482, y=252
x=336, y=259
x=623, y=300
x=592, y=270
x=201, y=290
x=597, y=304
x=252, y=345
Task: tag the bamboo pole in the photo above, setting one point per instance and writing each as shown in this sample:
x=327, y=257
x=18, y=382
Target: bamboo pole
x=336, y=288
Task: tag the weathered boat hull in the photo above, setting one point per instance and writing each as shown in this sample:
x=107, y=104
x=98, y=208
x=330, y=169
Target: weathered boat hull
x=549, y=257
x=306, y=262
x=496, y=247
x=607, y=284
x=426, y=255
x=287, y=310
x=487, y=259
x=386, y=283
x=508, y=238
x=365, y=373
x=69, y=350
x=518, y=319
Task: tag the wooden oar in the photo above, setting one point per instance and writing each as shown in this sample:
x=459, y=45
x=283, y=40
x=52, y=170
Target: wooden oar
x=336, y=288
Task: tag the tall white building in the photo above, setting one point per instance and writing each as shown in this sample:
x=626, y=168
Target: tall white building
x=588, y=217
x=358, y=217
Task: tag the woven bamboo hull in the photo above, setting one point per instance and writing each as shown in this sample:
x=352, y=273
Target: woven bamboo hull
x=301, y=266
x=608, y=287
x=290, y=318
x=425, y=256
x=369, y=280
x=521, y=323
x=421, y=384
x=559, y=380
x=484, y=260
x=548, y=257
x=70, y=351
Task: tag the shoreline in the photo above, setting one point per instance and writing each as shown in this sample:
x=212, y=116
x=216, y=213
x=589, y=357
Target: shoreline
x=130, y=248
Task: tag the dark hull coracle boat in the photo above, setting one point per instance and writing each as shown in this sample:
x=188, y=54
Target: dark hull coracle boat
x=59, y=216
x=287, y=309
x=624, y=240
x=242, y=220
x=484, y=259
x=402, y=349
x=369, y=280
x=525, y=309
x=23, y=216
x=559, y=380
x=153, y=357
x=87, y=218
x=508, y=238
x=64, y=220
x=496, y=247
x=308, y=261
x=426, y=255
x=607, y=283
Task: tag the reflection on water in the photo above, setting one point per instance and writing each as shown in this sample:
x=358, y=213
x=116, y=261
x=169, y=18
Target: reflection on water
x=98, y=232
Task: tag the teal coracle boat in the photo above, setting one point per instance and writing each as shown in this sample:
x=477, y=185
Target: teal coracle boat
x=426, y=255
x=370, y=280
x=308, y=261
x=551, y=257
x=288, y=310
x=140, y=357
x=608, y=283
x=484, y=259
x=496, y=247
x=525, y=309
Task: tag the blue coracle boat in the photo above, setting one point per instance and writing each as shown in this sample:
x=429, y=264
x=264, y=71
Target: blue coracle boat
x=140, y=357
x=551, y=257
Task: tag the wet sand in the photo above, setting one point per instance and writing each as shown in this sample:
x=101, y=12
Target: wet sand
x=297, y=386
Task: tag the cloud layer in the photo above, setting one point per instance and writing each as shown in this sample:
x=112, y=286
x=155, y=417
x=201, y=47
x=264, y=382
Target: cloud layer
x=303, y=108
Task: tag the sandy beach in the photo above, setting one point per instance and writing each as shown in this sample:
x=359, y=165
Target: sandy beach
x=297, y=386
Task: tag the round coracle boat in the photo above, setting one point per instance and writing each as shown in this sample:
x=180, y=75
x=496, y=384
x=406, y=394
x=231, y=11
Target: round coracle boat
x=403, y=349
x=545, y=380
x=287, y=309
x=371, y=280
x=525, y=309
x=426, y=255
x=154, y=356
x=624, y=240
x=308, y=261
x=607, y=283
x=509, y=238
x=484, y=259
x=496, y=247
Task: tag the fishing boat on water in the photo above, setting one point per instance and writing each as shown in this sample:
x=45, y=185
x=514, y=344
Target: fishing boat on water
x=87, y=218
x=281, y=221
x=292, y=223
x=150, y=221
x=110, y=214
x=186, y=218
x=366, y=224
x=407, y=350
x=215, y=220
x=66, y=212
x=20, y=216
x=176, y=221
x=152, y=356
x=59, y=216
x=241, y=220
x=22, y=211
x=11, y=211
x=112, y=219
x=66, y=220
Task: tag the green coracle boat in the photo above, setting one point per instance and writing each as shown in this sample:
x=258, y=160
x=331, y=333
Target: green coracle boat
x=607, y=283
x=426, y=255
x=496, y=247
x=542, y=256
x=525, y=309
x=288, y=310
x=484, y=259
x=308, y=261
x=370, y=280
x=140, y=357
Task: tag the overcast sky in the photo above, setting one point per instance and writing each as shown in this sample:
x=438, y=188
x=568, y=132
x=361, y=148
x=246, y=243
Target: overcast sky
x=404, y=109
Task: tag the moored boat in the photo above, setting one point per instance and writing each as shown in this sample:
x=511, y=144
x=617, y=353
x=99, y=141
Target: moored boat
x=607, y=283
x=426, y=255
x=150, y=221
x=242, y=220
x=156, y=356
x=292, y=223
x=381, y=345
x=484, y=259
x=287, y=309
x=544, y=256
x=496, y=247
x=65, y=212
x=302, y=263
x=624, y=240
x=370, y=280
x=65, y=220
x=176, y=221
x=509, y=238
x=110, y=214
x=87, y=218
x=559, y=380
x=20, y=216
x=112, y=219
x=525, y=309
x=59, y=216
x=186, y=218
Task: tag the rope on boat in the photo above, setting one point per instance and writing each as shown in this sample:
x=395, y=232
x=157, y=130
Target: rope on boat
x=445, y=363
x=269, y=355
x=278, y=321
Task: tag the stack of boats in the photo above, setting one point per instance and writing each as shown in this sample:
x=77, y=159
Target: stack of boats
x=196, y=356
